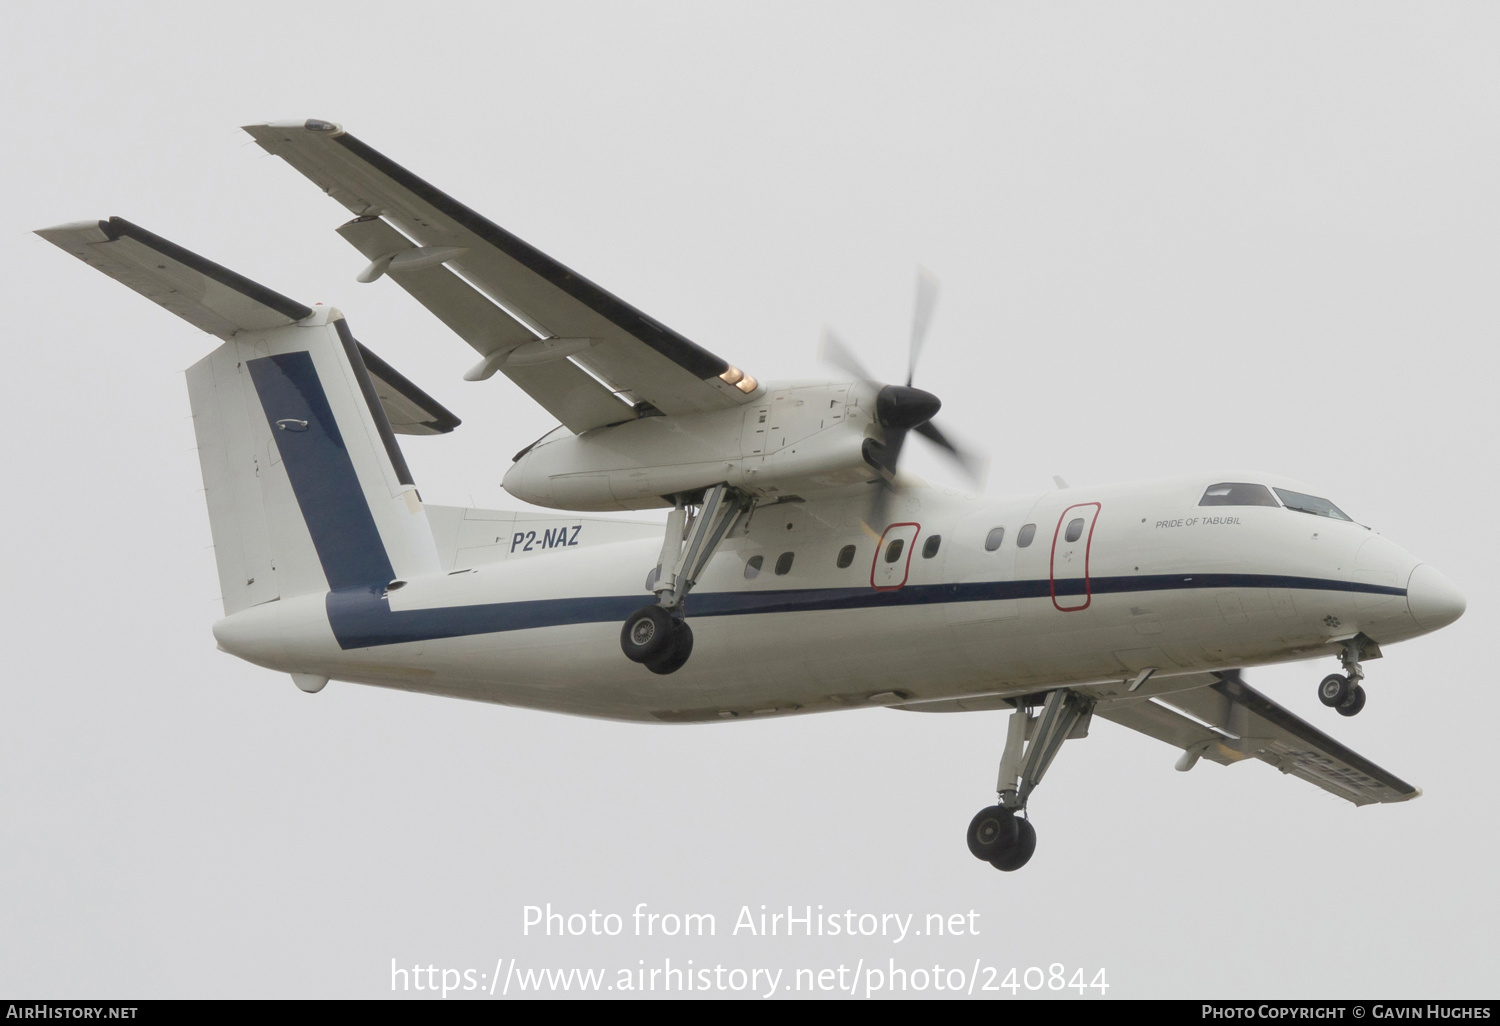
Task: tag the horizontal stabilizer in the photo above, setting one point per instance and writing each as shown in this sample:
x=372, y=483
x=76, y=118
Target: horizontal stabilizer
x=201, y=292
x=410, y=410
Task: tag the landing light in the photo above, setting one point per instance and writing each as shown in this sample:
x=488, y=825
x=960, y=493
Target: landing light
x=739, y=379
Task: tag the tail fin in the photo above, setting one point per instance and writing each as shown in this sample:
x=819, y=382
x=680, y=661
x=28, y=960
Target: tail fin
x=307, y=489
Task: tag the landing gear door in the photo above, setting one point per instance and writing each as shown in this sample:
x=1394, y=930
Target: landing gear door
x=1071, y=544
x=893, y=556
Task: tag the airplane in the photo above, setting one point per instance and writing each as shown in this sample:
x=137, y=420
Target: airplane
x=798, y=570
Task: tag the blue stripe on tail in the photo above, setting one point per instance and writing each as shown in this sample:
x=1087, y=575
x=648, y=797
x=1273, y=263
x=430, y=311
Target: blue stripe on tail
x=328, y=490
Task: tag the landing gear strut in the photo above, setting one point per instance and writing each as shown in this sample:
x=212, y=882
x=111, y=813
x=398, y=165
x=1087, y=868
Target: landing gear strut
x=998, y=835
x=1342, y=691
x=658, y=635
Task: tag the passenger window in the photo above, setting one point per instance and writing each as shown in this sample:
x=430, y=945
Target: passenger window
x=1074, y=531
x=1234, y=493
x=1024, y=535
x=846, y=556
x=993, y=539
x=752, y=566
x=893, y=550
x=930, y=549
x=784, y=564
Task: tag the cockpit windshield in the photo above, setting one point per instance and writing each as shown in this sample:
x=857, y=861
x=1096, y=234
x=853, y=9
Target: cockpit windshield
x=1234, y=493
x=1240, y=493
x=1311, y=504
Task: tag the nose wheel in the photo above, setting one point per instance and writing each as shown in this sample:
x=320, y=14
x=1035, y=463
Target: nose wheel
x=1339, y=692
x=1343, y=691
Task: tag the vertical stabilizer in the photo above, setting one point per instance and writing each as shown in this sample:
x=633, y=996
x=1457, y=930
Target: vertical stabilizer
x=307, y=489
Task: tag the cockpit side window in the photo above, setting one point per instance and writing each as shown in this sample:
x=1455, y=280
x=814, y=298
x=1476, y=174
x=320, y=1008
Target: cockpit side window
x=1235, y=493
x=1312, y=504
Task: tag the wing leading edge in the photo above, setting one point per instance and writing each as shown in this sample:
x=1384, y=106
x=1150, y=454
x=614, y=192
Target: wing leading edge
x=504, y=297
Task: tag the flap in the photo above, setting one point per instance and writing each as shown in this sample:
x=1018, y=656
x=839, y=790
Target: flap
x=561, y=387
x=1227, y=721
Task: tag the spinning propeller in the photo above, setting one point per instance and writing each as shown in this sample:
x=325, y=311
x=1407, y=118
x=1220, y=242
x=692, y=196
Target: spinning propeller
x=901, y=408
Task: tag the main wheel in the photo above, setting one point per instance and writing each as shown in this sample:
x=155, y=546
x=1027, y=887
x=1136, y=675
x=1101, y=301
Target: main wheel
x=677, y=653
x=647, y=634
x=1354, y=703
x=1334, y=691
x=1019, y=853
x=991, y=832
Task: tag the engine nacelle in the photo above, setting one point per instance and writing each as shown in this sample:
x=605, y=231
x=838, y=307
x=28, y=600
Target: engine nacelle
x=798, y=440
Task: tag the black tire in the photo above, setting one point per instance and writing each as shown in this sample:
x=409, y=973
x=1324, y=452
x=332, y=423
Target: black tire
x=673, y=659
x=647, y=634
x=991, y=832
x=1355, y=703
x=1334, y=691
x=1019, y=853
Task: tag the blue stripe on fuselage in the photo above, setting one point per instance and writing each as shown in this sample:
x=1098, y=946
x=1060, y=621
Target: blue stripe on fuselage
x=358, y=568
x=362, y=617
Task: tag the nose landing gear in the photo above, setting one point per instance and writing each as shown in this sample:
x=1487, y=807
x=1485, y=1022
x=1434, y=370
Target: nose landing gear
x=1342, y=691
x=998, y=834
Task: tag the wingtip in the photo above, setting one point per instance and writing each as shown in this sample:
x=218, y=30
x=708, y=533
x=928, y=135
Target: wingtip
x=305, y=125
x=74, y=233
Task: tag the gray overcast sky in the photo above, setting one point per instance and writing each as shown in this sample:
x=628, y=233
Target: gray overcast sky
x=1171, y=237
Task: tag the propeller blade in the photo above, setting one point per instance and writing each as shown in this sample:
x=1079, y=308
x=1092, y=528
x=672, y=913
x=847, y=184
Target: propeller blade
x=835, y=352
x=930, y=432
x=974, y=465
x=927, y=292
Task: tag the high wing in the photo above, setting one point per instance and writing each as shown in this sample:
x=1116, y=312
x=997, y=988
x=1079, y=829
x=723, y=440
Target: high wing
x=221, y=302
x=1225, y=720
x=585, y=355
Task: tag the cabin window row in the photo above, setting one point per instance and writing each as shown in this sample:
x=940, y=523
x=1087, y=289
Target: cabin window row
x=783, y=565
x=845, y=559
x=1023, y=536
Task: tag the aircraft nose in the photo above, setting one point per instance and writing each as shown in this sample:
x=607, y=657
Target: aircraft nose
x=1432, y=599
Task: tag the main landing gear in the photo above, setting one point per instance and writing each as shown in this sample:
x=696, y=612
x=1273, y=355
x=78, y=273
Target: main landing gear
x=998, y=834
x=658, y=635
x=1342, y=691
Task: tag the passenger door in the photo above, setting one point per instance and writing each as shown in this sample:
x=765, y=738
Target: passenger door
x=893, y=556
x=1071, y=542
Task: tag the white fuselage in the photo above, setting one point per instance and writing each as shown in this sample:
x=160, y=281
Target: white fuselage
x=528, y=607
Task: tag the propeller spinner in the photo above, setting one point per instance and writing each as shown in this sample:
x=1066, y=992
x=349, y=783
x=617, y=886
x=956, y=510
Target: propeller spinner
x=903, y=408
